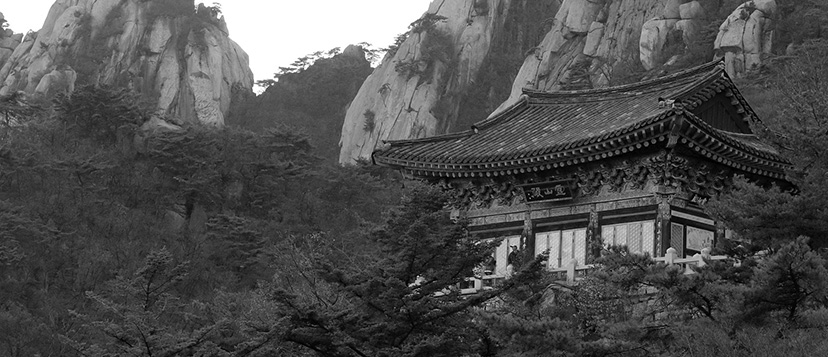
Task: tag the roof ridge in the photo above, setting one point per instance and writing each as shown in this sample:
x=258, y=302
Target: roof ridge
x=733, y=133
x=706, y=67
x=724, y=135
x=488, y=122
x=703, y=82
x=529, y=93
x=739, y=96
x=471, y=131
x=440, y=137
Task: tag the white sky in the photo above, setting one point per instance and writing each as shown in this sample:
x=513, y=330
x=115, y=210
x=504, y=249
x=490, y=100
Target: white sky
x=276, y=32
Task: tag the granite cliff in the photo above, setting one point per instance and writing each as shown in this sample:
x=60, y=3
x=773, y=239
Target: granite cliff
x=8, y=40
x=456, y=64
x=441, y=78
x=178, y=56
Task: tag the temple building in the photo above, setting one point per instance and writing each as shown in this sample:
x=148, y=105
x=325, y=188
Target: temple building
x=572, y=172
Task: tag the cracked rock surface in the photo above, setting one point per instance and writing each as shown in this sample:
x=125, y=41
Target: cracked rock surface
x=183, y=61
x=746, y=35
x=417, y=91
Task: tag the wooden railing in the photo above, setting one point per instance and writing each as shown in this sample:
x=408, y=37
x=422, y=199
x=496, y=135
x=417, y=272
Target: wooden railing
x=481, y=283
x=573, y=272
x=698, y=260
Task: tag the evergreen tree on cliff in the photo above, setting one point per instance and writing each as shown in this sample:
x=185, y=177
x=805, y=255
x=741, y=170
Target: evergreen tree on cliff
x=797, y=125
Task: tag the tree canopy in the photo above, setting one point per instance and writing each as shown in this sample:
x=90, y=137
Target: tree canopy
x=796, y=125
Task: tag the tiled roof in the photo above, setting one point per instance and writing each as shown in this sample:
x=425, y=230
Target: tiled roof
x=751, y=140
x=555, y=129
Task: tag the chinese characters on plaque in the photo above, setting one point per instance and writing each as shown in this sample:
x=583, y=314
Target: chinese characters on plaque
x=548, y=191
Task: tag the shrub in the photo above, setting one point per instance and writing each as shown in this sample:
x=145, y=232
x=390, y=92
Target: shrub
x=370, y=122
x=169, y=8
x=398, y=41
x=436, y=46
x=425, y=23
x=98, y=112
x=481, y=7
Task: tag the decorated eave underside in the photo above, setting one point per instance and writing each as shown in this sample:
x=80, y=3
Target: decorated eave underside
x=554, y=130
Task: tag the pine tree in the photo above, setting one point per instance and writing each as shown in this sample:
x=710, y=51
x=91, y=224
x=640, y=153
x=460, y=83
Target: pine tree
x=141, y=315
x=798, y=128
x=791, y=280
x=399, y=299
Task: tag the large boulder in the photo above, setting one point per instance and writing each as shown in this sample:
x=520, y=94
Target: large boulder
x=567, y=59
x=593, y=40
x=745, y=36
x=657, y=34
x=654, y=36
x=8, y=41
x=578, y=15
x=691, y=11
x=672, y=9
x=57, y=81
x=178, y=56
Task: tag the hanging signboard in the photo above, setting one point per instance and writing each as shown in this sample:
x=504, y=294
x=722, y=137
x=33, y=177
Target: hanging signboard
x=548, y=191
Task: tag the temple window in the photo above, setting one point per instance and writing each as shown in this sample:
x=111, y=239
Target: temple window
x=639, y=237
x=689, y=233
x=689, y=239
x=563, y=246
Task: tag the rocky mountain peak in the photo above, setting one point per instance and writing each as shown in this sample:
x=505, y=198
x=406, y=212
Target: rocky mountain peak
x=8, y=40
x=177, y=55
x=354, y=51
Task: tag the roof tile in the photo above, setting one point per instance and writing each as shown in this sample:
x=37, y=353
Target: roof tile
x=542, y=123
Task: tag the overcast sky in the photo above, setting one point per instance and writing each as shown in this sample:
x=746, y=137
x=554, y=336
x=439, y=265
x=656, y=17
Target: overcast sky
x=276, y=32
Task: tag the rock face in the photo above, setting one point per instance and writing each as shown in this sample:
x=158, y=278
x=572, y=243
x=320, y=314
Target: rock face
x=437, y=77
x=746, y=35
x=592, y=42
x=179, y=56
x=8, y=41
x=679, y=24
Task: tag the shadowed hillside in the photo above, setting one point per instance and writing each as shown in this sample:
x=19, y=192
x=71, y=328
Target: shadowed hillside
x=312, y=100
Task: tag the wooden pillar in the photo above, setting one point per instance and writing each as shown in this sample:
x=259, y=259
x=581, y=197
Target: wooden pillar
x=663, y=226
x=594, y=241
x=528, y=236
x=720, y=234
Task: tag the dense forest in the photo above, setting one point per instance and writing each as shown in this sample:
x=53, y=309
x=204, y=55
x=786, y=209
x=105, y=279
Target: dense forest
x=309, y=96
x=118, y=241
